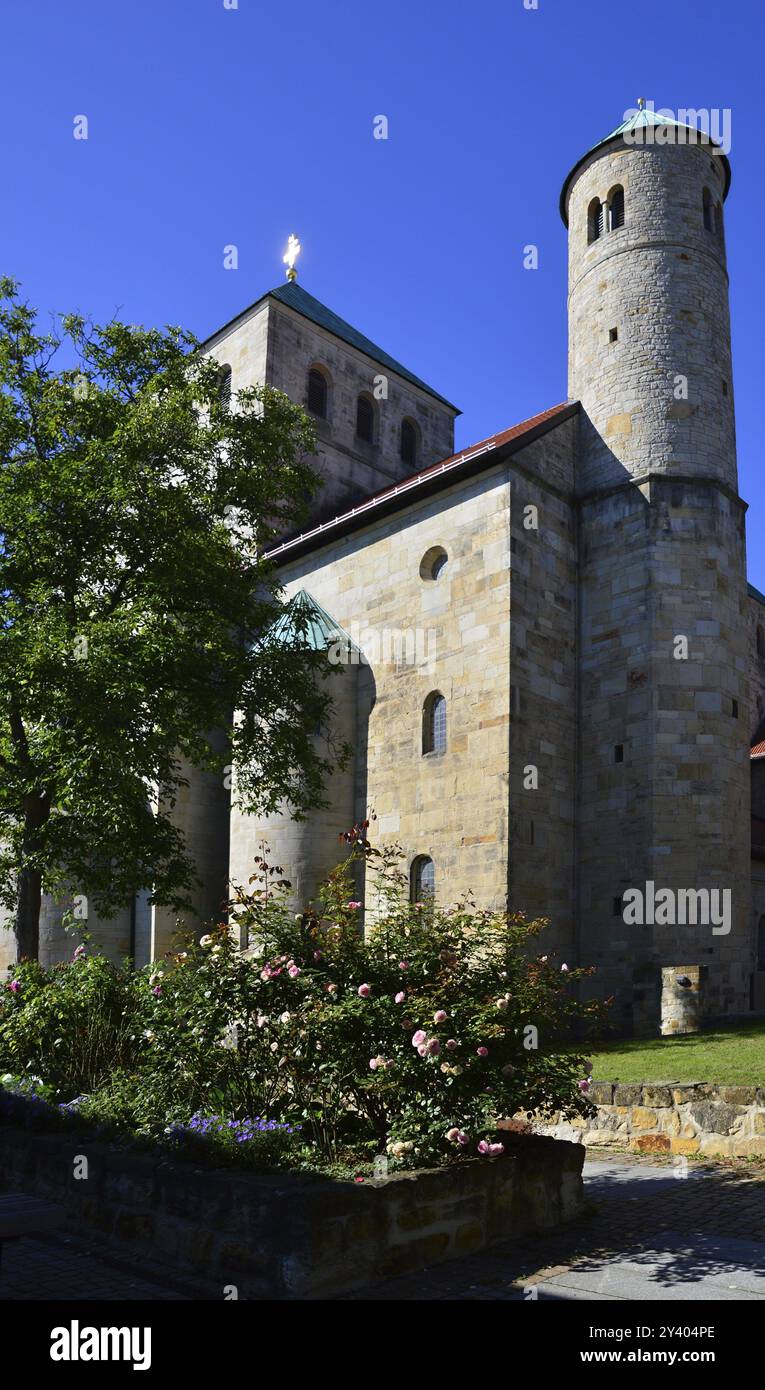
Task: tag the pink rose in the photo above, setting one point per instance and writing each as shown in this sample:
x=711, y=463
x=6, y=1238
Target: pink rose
x=585, y=1085
x=14, y=985
x=423, y=1049
x=353, y=905
x=451, y=1044
x=482, y=1051
x=483, y=1147
x=294, y=971
x=439, y=1016
x=400, y=997
x=496, y=1149
x=434, y=1047
x=462, y=1139
x=364, y=991
x=157, y=990
x=403, y=965
x=419, y=1038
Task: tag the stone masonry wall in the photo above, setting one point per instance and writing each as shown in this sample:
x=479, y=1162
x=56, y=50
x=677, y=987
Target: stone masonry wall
x=692, y=1118
x=292, y=1236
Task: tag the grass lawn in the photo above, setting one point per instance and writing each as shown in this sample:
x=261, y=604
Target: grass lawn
x=734, y=1056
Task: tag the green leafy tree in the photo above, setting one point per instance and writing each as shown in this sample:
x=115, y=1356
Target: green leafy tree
x=136, y=504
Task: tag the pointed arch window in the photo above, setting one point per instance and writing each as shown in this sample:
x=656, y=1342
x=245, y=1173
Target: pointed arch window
x=422, y=880
x=434, y=723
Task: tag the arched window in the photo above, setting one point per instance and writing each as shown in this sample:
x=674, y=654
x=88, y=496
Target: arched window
x=365, y=419
x=434, y=723
x=709, y=212
x=719, y=220
x=760, y=640
x=224, y=386
x=408, y=444
x=422, y=880
x=594, y=220
x=616, y=208
x=760, y=943
x=317, y=393
x=433, y=562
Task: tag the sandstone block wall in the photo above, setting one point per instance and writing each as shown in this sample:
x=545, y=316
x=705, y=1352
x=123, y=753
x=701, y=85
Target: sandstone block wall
x=292, y=1236
x=691, y=1118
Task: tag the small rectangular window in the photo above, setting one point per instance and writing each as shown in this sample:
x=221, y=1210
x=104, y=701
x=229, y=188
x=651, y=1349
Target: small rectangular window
x=619, y=753
x=734, y=708
x=725, y=388
x=613, y=334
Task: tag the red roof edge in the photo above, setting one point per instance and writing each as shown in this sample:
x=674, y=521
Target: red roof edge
x=536, y=424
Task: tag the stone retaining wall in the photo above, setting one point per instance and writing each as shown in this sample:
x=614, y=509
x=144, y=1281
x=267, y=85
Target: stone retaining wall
x=694, y=1118
x=289, y=1235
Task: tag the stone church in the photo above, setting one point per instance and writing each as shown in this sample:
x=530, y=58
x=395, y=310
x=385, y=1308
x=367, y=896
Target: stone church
x=562, y=695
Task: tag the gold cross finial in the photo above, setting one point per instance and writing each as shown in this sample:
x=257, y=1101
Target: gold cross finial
x=290, y=256
x=641, y=103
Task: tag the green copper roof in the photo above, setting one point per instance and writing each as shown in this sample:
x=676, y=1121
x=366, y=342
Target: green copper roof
x=304, y=303
x=304, y=621
x=640, y=120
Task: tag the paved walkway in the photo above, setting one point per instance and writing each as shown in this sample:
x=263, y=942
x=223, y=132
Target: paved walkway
x=653, y=1231
x=648, y=1234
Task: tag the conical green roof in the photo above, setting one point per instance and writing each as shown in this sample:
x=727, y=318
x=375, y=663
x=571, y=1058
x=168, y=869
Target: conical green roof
x=643, y=119
x=305, y=621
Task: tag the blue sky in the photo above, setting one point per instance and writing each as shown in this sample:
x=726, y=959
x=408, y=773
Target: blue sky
x=210, y=127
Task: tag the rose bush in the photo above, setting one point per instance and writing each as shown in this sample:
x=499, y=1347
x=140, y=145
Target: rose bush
x=413, y=1041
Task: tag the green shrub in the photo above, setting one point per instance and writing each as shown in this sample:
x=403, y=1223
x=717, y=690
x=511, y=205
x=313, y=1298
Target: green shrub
x=71, y=1024
x=412, y=1042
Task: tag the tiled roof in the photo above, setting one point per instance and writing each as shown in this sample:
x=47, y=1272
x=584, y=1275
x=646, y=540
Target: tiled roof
x=401, y=493
x=758, y=751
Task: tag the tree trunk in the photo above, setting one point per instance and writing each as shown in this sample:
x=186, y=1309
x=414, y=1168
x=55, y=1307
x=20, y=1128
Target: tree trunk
x=28, y=914
x=29, y=898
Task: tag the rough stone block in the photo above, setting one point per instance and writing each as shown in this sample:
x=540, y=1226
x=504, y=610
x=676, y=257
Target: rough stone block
x=643, y=1118
x=684, y=1146
x=650, y=1143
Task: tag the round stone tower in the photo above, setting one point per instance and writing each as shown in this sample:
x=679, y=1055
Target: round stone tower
x=649, y=327
x=663, y=747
